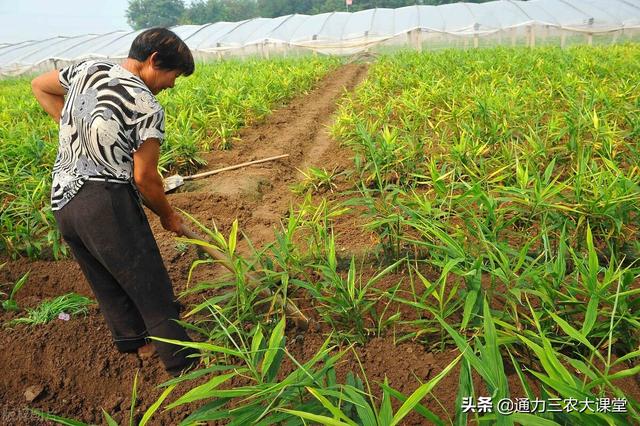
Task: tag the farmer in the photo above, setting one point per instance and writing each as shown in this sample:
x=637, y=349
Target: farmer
x=111, y=128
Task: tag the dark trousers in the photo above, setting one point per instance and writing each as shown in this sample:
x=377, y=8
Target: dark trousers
x=109, y=235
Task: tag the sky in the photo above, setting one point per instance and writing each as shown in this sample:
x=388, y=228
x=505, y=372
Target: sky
x=22, y=20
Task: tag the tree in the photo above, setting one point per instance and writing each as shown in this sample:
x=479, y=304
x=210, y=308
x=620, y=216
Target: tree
x=205, y=12
x=154, y=13
x=329, y=6
x=274, y=8
x=201, y=12
x=239, y=10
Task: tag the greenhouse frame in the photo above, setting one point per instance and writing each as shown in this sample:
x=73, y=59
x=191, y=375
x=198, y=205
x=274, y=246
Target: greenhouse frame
x=458, y=25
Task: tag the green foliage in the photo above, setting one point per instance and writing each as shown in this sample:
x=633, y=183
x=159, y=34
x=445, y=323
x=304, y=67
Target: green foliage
x=28, y=142
x=143, y=14
x=72, y=304
x=347, y=303
x=350, y=405
x=262, y=400
x=10, y=304
x=499, y=159
x=508, y=177
x=205, y=12
x=317, y=180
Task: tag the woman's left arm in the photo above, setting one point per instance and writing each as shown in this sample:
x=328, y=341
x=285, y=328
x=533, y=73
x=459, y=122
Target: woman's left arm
x=49, y=93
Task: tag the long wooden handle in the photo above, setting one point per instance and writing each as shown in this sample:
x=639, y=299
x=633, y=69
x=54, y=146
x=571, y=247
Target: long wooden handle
x=236, y=166
x=290, y=308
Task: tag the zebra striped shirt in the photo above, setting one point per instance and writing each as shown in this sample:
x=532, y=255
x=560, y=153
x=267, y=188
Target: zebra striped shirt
x=107, y=114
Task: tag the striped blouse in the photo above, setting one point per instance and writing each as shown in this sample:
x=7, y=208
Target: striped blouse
x=108, y=112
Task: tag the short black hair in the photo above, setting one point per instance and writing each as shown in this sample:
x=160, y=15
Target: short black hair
x=173, y=53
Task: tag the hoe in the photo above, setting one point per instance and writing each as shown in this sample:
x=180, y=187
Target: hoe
x=175, y=181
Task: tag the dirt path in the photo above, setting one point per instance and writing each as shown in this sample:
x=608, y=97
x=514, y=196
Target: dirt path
x=261, y=194
x=72, y=366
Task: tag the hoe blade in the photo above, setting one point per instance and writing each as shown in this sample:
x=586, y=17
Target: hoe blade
x=173, y=182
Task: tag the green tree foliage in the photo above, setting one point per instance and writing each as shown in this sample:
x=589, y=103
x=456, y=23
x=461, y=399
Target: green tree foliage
x=273, y=8
x=154, y=13
x=203, y=12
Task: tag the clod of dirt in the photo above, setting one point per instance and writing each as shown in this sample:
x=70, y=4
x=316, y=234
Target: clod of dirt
x=114, y=404
x=33, y=392
x=429, y=359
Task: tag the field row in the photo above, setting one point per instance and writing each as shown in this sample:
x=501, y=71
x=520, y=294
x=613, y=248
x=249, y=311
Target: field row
x=508, y=181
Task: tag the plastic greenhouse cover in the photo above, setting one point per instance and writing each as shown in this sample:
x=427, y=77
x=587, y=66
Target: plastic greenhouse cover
x=342, y=29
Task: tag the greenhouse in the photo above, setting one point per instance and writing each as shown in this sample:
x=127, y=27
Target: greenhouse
x=462, y=25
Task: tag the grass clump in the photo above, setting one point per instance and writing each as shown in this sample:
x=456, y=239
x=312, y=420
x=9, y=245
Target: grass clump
x=10, y=304
x=71, y=304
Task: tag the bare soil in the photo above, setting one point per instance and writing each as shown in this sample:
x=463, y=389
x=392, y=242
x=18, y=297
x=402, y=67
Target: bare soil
x=74, y=370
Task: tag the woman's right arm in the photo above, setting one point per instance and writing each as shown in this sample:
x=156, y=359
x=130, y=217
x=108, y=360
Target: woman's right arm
x=149, y=184
x=49, y=93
